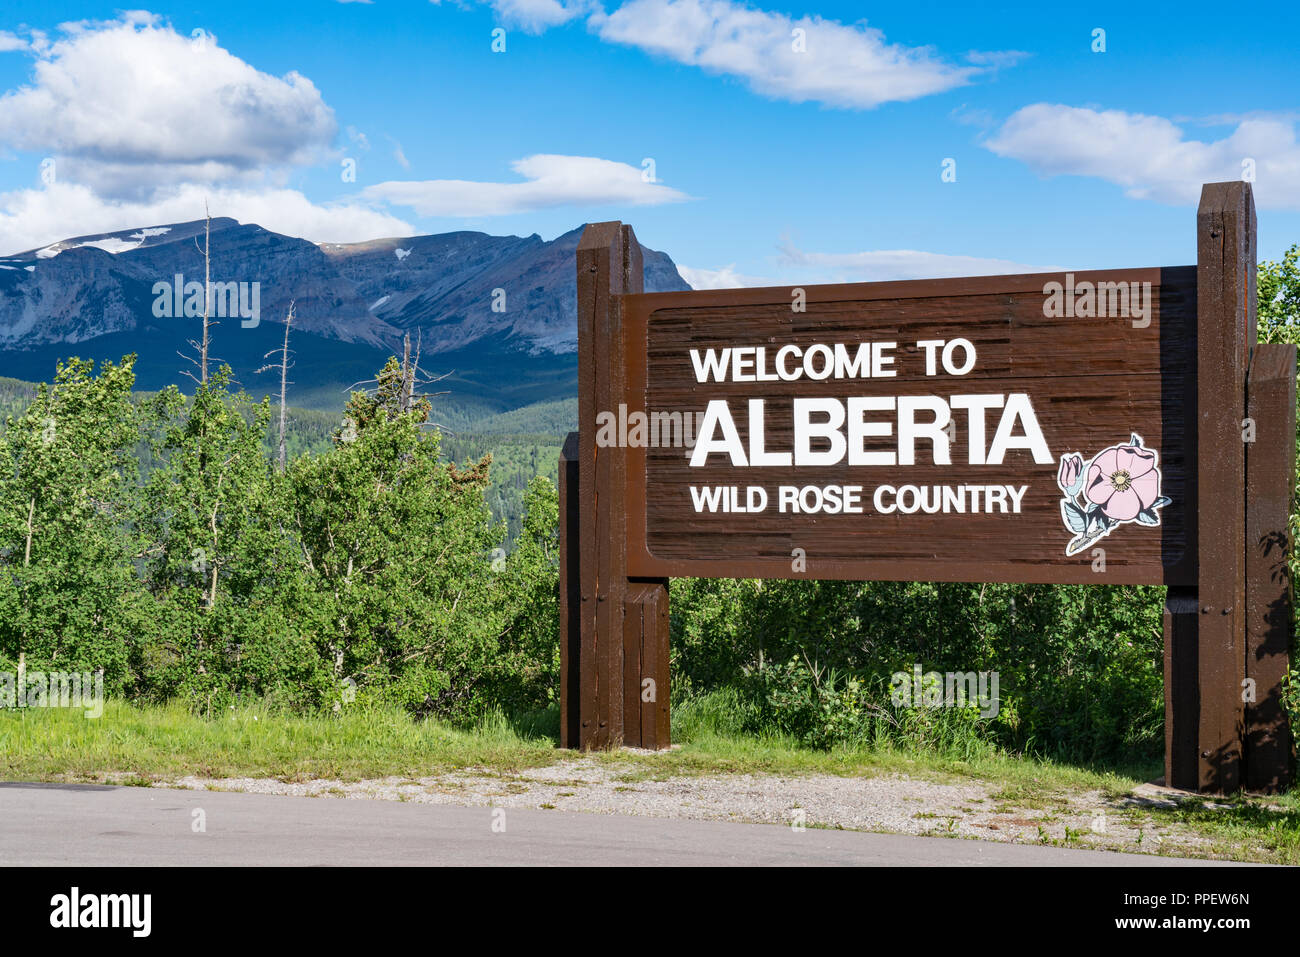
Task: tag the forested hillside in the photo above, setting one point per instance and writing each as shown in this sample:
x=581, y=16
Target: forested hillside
x=524, y=443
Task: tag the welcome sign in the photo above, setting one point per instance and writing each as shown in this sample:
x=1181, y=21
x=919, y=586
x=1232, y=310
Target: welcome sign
x=958, y=430
x=1111, y=427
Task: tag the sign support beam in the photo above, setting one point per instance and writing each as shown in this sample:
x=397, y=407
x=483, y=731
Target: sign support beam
x=1270, y=610
x=614, y=688
x=1225, y=335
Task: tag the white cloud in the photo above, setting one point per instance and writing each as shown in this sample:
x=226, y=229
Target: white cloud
x=33, y=218
x=535, y=16
x=725, y=278
x=400, y=155
x=882, y=265
x=996, y=59
x=1150, y=156
x=131, y=104
x=797, y=267
x=973, y=116
x=551, y=181
x=358, y=138
x=143, y=124
x=9, y=41
x=843, y=65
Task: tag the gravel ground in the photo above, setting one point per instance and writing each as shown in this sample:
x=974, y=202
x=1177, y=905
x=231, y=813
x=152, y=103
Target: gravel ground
x=892, y=804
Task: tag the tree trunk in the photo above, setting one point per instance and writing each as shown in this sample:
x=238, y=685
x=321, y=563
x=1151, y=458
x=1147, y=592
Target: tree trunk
x=31, y=516
x=284, y=384
x=207, y=291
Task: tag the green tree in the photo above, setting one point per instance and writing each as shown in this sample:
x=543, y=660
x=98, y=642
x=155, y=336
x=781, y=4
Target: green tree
x=219, y=559
x=525, y=668
x=1278, y=291
x=69, y=597
x=397, y=548
x=1279, y=321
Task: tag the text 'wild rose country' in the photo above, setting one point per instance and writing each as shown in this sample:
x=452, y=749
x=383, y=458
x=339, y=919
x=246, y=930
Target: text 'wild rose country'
x=999, y=430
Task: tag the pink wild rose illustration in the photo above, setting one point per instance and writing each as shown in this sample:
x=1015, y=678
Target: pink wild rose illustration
x=1121, y=484
x=1123, y=480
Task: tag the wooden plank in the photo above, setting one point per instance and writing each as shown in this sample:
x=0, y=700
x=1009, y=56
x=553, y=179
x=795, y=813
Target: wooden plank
x=646, y=631
x=570, y=596
x=646, y=723
x=655, y=711
x=1181, y=617
x=1270, y=614
x=633, y=630
x=1225, y=322
x=609, y=588
x=590, y=262
x=609, y=264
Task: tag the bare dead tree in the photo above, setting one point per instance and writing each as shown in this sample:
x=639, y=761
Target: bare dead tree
x=414, y=371
x=284, y=365
x=207, y=288
x=404, y=390
x=410, y=382
x=202, y=347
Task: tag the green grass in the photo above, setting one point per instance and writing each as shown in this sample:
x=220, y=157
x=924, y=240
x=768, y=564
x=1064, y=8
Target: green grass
x=166, y=742
x=1237, y=828
x=140, y=745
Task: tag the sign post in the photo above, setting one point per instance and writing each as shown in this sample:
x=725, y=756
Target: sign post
x=1270, y=484
x=1073, y=428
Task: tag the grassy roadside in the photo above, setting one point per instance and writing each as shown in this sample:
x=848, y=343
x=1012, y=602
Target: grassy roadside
x=143, y=745
x=163, y=742
x=166, y=742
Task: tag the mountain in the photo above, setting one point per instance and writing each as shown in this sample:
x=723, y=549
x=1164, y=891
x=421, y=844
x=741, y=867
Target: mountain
x=105, y=295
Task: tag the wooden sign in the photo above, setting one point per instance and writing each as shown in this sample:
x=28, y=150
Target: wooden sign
x=915, y=430
x=1080, y=427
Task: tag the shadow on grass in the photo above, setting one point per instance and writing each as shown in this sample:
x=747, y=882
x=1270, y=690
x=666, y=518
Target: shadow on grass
x=1253, y=830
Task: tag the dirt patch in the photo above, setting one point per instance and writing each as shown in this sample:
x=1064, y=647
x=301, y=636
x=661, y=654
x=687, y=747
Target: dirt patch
x=888, y=803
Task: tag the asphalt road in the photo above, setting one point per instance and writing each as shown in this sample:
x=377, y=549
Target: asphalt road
x=80, y=825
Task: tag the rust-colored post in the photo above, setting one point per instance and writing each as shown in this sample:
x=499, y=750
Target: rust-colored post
x=1213, y=650
x=609, y=264
x=613, y=632
x=1270, y=482
x=645, y=647
x=1181, y=618
x=570, y=595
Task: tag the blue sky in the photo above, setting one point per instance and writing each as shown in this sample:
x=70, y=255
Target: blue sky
x=771, y=164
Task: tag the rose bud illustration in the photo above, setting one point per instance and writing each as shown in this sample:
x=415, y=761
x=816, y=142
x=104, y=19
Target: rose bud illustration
x=1070, y=473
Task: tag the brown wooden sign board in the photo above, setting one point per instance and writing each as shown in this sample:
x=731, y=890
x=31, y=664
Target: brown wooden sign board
x=1085, y=427
x=1084, y=383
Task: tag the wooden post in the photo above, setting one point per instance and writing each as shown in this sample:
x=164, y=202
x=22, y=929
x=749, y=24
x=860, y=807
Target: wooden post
x=645, y=630
x=1214, y=648
x=570, y=595
x=1270, y=482
x=1182, y=615
x=621, y=627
